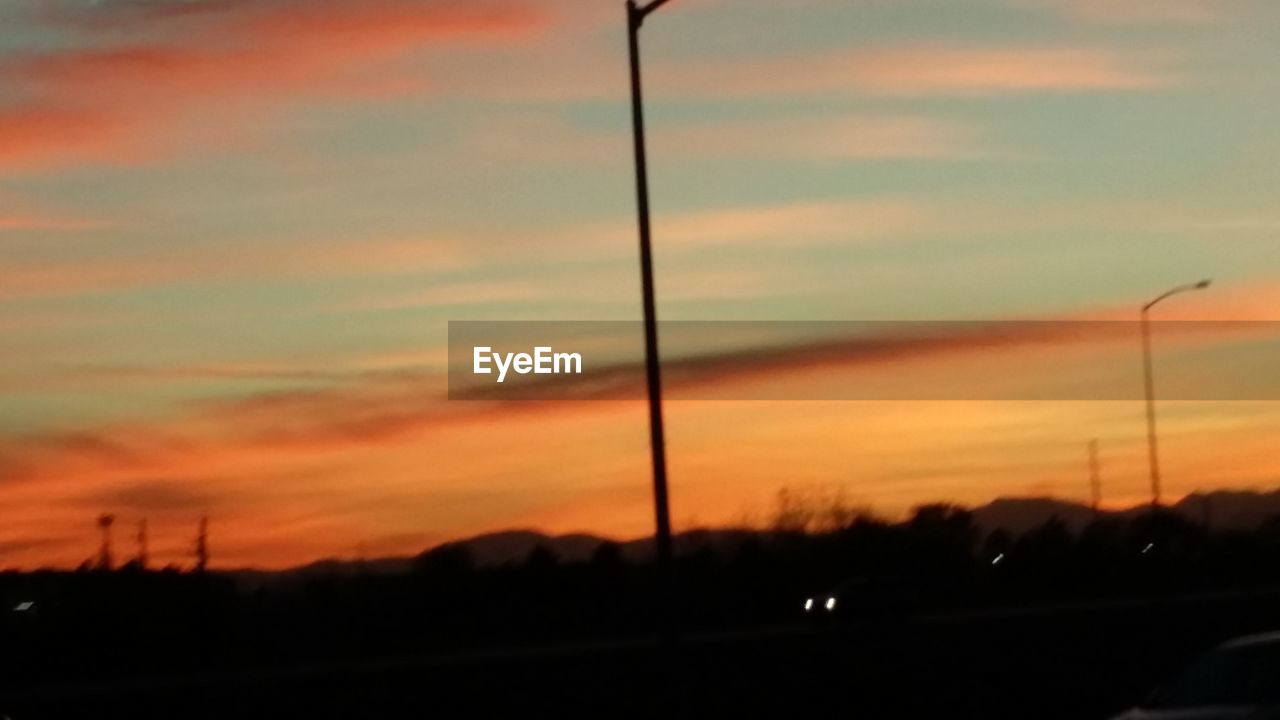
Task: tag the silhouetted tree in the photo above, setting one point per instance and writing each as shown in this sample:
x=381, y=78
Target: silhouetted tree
x=1049, y=542
x=541, y=558
x=998, y=543
x=105, y=521
x=607, y=554
x=142, y=558
x=1270, y=529
x=1165, y=533
x=942, y=537
x=791, y=515
x=449, y=560
x=202, y=546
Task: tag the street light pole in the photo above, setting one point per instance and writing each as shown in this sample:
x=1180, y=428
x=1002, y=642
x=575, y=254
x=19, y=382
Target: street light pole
x=1153, y=458
x=653, y=369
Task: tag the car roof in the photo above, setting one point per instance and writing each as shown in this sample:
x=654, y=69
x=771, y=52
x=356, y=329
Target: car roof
x=1271, y=638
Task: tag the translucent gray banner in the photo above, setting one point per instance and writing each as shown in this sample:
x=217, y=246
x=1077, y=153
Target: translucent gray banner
x=866, y=360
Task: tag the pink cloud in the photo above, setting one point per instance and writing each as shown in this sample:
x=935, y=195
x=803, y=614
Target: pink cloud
x=54, y=276
x=921, y=69
x=907, y=68
x=115, y=100
x=925, y=69
x=848, y=137
x=19, y=280
x=1138, y=12
x=28, y=221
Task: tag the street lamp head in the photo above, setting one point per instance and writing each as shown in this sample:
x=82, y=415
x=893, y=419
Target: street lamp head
x=1203, y=284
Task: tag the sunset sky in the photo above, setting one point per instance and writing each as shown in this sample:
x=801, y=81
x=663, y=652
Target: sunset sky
x=233, y=232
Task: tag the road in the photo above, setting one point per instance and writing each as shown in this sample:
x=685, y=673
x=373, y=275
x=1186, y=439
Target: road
x=1062, y=661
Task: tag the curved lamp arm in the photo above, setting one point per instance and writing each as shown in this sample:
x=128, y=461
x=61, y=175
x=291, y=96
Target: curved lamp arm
x=639, y=13
x=1180, y=289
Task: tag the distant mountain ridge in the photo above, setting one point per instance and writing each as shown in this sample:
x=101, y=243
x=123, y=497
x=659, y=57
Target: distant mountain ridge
x=1222, y=509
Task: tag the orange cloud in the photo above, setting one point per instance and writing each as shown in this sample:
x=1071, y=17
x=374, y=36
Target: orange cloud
x=378, y=454
x=289, y=476
x=42, y=134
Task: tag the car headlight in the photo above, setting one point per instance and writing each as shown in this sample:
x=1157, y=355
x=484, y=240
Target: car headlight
x=831, y=603
x=808, y=604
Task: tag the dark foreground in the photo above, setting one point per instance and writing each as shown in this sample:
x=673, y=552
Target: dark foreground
x=1070, y=661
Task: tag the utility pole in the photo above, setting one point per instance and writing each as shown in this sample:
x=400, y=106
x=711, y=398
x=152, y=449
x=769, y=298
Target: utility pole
x=653, y=368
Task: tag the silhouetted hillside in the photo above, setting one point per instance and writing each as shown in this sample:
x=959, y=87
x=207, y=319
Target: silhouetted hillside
x=1231, y=509
x=516, y=545
x=1226, y=510
x=1020, y=515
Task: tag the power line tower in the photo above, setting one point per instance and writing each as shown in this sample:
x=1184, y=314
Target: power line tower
x=142, y=544
x=104, y=550
x=1095, y=477
x=202, y=545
